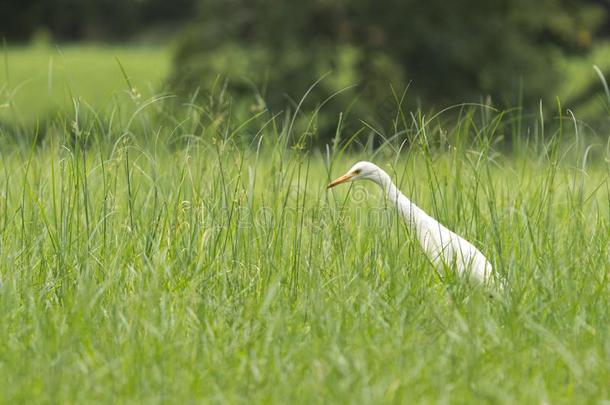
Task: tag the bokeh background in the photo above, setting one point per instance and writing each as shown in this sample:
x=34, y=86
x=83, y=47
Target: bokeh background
x=363, y=56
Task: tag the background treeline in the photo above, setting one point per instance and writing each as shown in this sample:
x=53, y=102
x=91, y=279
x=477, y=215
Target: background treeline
x=87, y=20
x=507, y=53
x=449, y=51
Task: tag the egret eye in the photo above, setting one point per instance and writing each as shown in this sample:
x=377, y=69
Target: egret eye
x=357, y=171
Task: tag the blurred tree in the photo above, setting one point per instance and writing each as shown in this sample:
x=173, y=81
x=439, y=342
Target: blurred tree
x=451, y=52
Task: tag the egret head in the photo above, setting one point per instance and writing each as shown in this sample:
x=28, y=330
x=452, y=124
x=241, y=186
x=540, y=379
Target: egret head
x=362, y=171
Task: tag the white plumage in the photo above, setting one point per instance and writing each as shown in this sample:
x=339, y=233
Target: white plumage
x=444, y=248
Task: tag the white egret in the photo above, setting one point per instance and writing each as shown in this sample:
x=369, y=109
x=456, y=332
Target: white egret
x=442, y=246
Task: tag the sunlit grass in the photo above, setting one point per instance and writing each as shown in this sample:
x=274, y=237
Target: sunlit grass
x=176, y=263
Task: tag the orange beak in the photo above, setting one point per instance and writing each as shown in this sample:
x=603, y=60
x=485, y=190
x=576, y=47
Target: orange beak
x=340, y=180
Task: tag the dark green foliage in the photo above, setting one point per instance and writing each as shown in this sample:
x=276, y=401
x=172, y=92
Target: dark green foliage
x=449, y=52
x=72, y=20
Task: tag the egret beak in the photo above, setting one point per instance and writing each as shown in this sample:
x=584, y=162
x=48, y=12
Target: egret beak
x=342, y=179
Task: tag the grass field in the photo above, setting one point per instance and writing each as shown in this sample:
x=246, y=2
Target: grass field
x=141, y=270
x=36, y=81
x=150, y=255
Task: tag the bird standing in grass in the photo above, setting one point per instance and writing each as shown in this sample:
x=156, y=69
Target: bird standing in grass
x=443, y=247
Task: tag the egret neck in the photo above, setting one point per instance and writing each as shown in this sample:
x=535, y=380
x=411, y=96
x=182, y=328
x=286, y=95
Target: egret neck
x=444, y=248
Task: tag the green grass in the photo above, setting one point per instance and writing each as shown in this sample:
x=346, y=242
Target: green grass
x=37, y=81
x=582, y=90
x=190, y=263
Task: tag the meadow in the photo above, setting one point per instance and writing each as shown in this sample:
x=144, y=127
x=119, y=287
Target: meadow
x=205, y=261
x=36, y=81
